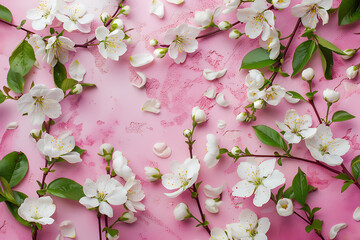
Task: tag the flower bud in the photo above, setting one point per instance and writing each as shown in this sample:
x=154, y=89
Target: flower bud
x=77, y=89
x=331, y=96
x=308, y=74
x=241, y=117
x=352, y=72
x=128, y=217
x=187, y=133
x=258, y=104
x=125, y=10
x=129, y=40
x=153, y=42
x=212, y=206
x=236, y=150
x=104, y=17
x=284, y=207
x=109, y=237
x=152, y=174
x=235, y=34
x=116, y=24
x=106, y=149
x=349, y=53
x=224, y=25
x=198, y=115
x=160, y=52
x=181, y=212
x=36, y=134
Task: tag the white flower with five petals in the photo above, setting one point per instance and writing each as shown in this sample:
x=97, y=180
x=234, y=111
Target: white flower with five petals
x=255, y=79
x=57, y=49
x=310, y=10
x=101, y=194
x=274, y=94
x=258, y=20
x=37, y=210
x=182, y=40
x=41, y=102
x=111, y=43
x=326, y=149
x=62, y=146
x=296, y=127
x=249, y=227
x=183, y=176
x=43, y=14
x=74, y=17
x=134, y=195
x=258, y=179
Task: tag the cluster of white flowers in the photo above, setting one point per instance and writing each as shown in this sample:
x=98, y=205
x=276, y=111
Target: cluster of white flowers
x=248, y=227
x=107, y=191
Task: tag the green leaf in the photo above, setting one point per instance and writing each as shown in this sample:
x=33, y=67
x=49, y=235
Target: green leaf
x=66, y=188
x=21, y=24
x=198, y=185
x=68, y=83
x=317, y=224
x=13, y=208
x=8, y=193
x=15, y=81
x=355, y=167
x=342, y=176
x=326, y=61
x=88, y=85
x=311, y=95
x=326, y=44
x=302, y=55
x=296, y=95
x=289, y=193
x=349, y=12
x=5, y=14
x=13, y=167
x=340, y=116
x=346, y=185
x=308, y=228
x=79, y=150
x=300, y=187
x=59, y=74
x=257, y=58
x=309, y=33
x=2, y=97
x=270, y=137
x=22, y=59
x=280, y=193
x=223, y=151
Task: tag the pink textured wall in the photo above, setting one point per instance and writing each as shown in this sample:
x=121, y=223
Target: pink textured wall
x=112, y=113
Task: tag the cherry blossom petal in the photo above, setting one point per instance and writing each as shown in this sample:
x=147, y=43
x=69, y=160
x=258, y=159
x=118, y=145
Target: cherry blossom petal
x=262, y=196
x=335, y=229
x=140, y=60
x=140, y=80
x=212, y=75
x=157, y=8
x=220, y=99
x=77, y=71
x=67, y=229
x=152, y=105
x=243, y=189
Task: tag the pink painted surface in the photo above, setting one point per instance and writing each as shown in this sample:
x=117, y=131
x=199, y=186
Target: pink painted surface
x=112, y=113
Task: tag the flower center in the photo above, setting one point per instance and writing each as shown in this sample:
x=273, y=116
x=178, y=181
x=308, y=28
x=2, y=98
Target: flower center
x=323, y=148
x=179, y=40
x=101, y=196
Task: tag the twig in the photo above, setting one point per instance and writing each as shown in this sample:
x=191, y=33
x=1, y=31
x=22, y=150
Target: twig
x=15, y=26
x=99, y=224
x=311, y=101
x=350, y=175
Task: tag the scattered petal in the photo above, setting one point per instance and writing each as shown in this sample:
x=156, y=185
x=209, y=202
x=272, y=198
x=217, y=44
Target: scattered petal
x=211, y=75
x=221, y=124
x=335, y=229
x=175, y=1
x=356, y=214
x=140, y=60
x=162, y=150
x=67, y=229
x=12, y=125
x=77, y=71
x=157, y=8
x=220, y=99
x=152, y=105
x=211, y=93
x=140, y=80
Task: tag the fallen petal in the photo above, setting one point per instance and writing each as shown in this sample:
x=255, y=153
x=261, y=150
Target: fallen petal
x=157, y=8
x=356, y=214
x=77, y=71
x=221, y=124
x=220, y=99
x=140, y=80
x=152, y=105
x=67, y=229
x=211, y=93
x=12, y=125
x=140, y=60
x=335, y=229
x=211, y=75
x=162, y=150
x=176, y=1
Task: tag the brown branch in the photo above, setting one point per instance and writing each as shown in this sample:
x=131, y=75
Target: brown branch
x=311, y=101
x=15, y=26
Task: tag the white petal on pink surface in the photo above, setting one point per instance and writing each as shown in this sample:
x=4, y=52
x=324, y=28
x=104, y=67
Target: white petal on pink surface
x=152, y=105
x=140, y=60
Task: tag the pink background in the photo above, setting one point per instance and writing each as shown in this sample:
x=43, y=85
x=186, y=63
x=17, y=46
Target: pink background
x=112, y=113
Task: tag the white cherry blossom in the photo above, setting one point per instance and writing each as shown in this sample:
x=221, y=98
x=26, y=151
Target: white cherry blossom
x=274, y=94
x=281, y=4
x=120, y=166
x=205, y=18
x=296, y=127
x=272, y=44
x=61, y=146
x=310, y=10
x=183, y=176
x=44, y=14
x=218, y=234
x=254, y=79
x=212, y=156
x=74, y=17
x=181, y=40
x=38, y=44
x=285, y=207
x=258, y=179
x=231, y=5
x=258, y=20
x=254, y=94
x=57, y=49
x=104, y=192
x=134, y=195
x=326, y=149
x=111, y=43
x=41, y=102
x=37, y=210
